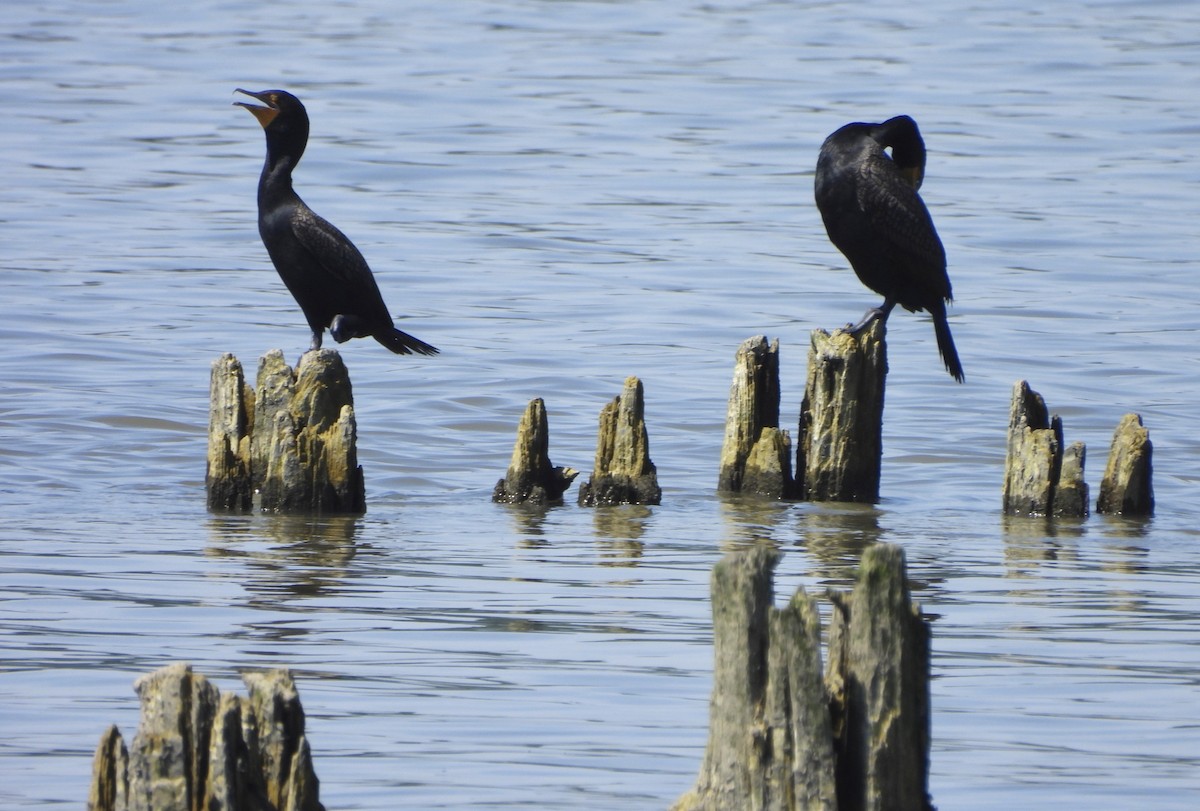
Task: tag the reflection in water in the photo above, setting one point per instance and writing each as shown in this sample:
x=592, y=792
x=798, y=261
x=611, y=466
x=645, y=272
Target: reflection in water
x=751, y=519
x=1033, y=540
x=306, y=556
x=619, y=529
x=835, y=535
x=529, y=523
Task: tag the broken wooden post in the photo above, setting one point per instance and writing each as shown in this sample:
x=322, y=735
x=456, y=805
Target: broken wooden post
x=197, y=747
x=1127, y=488
x=231, y=413
x=289, y=445
x=623, y=473
x=531, y=477
x=879, y=658
x=1040, y=477
x=839, y=450
x=756, y=454
x=773, y=743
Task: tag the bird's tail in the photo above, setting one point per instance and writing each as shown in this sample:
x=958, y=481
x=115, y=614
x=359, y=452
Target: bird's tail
x=404, y=344
x=945, y=342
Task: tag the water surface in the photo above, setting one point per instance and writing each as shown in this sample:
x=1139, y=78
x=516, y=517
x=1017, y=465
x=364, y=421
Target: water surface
x=559, y=195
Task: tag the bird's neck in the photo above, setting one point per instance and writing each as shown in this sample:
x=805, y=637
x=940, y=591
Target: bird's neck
x=275, y=183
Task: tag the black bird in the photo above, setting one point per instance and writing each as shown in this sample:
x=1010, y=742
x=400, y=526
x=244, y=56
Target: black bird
x=873, y=214
x=327, y=275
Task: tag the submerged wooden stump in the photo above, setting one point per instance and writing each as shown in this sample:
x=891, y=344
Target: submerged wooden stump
x=290, y=444
x=839, y=450
x=1040, y=476
x=623, y=473
x=773, y=742
x=1127, y=488
x=531, y=477
x=199, y=748
x=756, y=454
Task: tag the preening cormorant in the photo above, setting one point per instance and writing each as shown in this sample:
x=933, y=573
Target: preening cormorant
x=326, y=274
x=873, y=214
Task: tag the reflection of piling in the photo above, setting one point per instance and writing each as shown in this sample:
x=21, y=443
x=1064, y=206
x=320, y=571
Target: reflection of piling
x=756, y=454
x=623, y=471
x=531, y=477
x=839, y=449
x=1041, y=476
x=1127, y=488
x=197, y=747
x=782, y=736
x=291, y=441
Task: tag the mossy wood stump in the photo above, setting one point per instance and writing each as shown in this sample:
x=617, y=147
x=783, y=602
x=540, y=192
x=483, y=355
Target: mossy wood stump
x=756, y=454
x=839, y=450
x=199, y=748
x=1126, y=488
x=288, y=445
x=623, y=472
x=1042, y=477
x=785, y=737
x=531, y=477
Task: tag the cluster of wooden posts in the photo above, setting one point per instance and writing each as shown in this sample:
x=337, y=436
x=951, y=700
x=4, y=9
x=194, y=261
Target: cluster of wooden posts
x=287, y=443
x=786, y=732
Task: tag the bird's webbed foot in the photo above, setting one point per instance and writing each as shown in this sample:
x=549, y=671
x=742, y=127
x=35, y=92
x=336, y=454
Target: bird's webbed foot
x=318, y=335
x=872, y=315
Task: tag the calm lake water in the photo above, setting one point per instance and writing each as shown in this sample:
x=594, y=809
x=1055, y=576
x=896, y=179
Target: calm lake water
x=559, y=195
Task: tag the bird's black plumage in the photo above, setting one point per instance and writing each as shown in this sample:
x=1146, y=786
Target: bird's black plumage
x=874, y=215
x=326, y=274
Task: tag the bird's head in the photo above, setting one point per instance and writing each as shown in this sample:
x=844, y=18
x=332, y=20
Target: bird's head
x=283, y=118
x=907, y=145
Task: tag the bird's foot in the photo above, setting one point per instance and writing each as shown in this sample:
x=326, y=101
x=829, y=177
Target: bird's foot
x=870, y=317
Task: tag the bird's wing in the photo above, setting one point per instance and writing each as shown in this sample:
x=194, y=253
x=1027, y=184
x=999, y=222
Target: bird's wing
x=898, y=215
x=333, y=251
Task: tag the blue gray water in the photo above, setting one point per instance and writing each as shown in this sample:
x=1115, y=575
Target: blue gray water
x=561, y=194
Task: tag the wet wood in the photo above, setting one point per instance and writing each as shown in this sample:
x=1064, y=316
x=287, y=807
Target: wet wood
x=1126, y=488
x=1041, y=476
x=290, y=444
x=1071, y=491
x=227, y=478
x=756, y=454
x=774, y=743
x=623, y=472
x=880, y=653
x=531, y=477
x=199, y=748
x=839, y=450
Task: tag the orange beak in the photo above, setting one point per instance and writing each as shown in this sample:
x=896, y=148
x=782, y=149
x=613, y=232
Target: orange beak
x=265, y=115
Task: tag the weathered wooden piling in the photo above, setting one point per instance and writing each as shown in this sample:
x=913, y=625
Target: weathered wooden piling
x=199, y=748
x=227, y=479
x=531, y=477
x=783, y=737
x=1126, y=488
x=879, y=658
x=623, y=472
x=288, y=445
x=839, y=450
x=756, y=454
x=1041, y=475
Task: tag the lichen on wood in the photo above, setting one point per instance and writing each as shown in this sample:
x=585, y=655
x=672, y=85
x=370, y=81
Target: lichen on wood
x=290, y=443
x=839, y=449
x=1042, y=477
x=1127, y=487
x=531, y=477
x=756, y=454
x=199, y=748
x=785, y=737
x=623, y=472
